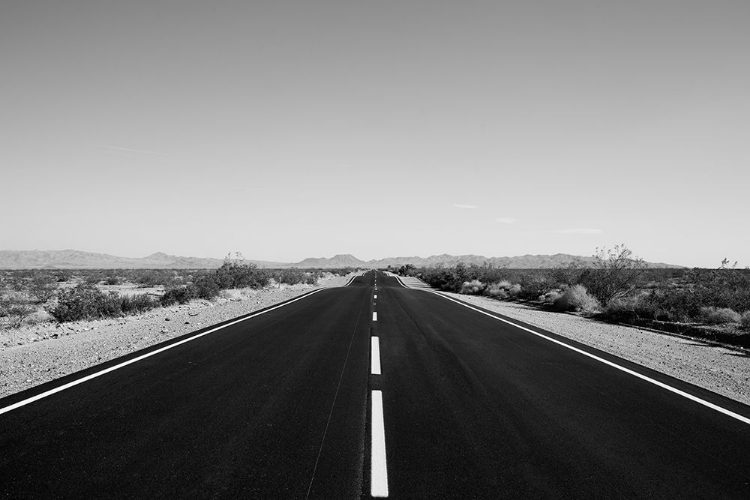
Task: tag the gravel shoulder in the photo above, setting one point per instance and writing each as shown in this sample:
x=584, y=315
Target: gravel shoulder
x=44, y=352
x=717, y=369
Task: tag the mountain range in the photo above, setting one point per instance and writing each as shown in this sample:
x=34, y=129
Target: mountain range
x=76, y=259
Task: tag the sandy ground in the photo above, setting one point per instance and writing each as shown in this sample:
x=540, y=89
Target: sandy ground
x=32, y=355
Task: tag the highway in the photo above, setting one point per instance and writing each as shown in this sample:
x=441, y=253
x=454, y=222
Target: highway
x=372, y=390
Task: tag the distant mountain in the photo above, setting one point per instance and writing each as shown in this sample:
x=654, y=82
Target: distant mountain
x=518, y=262
x=337, y=261
x=75, y=259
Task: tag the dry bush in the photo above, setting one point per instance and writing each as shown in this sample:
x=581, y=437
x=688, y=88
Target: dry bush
x=616, y=273
x=42, y=287
x=745, y=320
x=500, y=289
x=577, y=298
x=497, y=291
x=719, y=315
x=16, y=306
x=472, y=287
x=633, y=307
x=551, y=296
x=17, y=313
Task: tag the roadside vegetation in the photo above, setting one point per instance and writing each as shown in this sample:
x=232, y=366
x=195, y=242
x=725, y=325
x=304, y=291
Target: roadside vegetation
x=31, y=296
x=619, y=287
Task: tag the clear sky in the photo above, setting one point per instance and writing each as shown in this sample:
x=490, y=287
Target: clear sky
x=381, y=128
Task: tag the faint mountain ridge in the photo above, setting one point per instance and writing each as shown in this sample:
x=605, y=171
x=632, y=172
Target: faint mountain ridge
x=76, y=259
x=337, y=261
x=517, y=262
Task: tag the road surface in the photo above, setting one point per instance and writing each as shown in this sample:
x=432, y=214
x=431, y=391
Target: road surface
x=372, y=390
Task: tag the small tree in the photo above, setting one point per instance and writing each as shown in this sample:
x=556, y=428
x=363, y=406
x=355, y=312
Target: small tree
x=616, y=273
x=406, y=270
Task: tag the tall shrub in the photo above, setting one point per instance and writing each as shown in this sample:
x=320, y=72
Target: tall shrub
x=616, y=273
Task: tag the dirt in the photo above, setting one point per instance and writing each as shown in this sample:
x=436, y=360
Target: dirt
x=33, y=355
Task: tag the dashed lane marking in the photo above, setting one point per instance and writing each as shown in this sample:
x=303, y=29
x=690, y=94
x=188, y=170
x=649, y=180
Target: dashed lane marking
x=375, y=356
x=378, y=464
x=374, y=316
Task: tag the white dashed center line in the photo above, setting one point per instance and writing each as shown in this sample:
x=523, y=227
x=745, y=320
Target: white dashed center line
x=374, y=316
x=378, y=468
x=375, y=364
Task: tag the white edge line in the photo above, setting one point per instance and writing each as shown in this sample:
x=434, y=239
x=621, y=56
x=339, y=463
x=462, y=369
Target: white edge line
x=139, y=358
x=614, y=365
x=378, y=464
x=375, y=356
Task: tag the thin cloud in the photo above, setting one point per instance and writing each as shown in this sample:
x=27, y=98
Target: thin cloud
x=458, y=205
x=578, y=231
x=505, y=220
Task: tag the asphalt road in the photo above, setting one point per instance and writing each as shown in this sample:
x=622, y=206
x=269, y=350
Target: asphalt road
x=285, y=405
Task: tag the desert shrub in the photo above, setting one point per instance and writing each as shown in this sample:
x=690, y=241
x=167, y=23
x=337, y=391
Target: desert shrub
x=615, y=274
x=745, y=320
x=112, y=280
x=148, y=278
x=631, y=308
x=566, y=276
x=472, y=287
x=498, y=290
x=206, y=287
x=110, y=305
x=290, y=276
x=719, y=315
x=62, y=275
x=16, y=307
x=178, y=295
x=439, y=277
x=136, y=304
x=726, y=288
x=93, y=277
x=406, y=270
x=42, y=287
x=533, y=285
x=17, y=313
x=669, y=304
x=551, y=296
x=233, y=274
x=85, y=301
x=577, y=298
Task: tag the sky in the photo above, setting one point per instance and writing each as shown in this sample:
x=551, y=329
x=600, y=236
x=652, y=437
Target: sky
x=285, y=130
